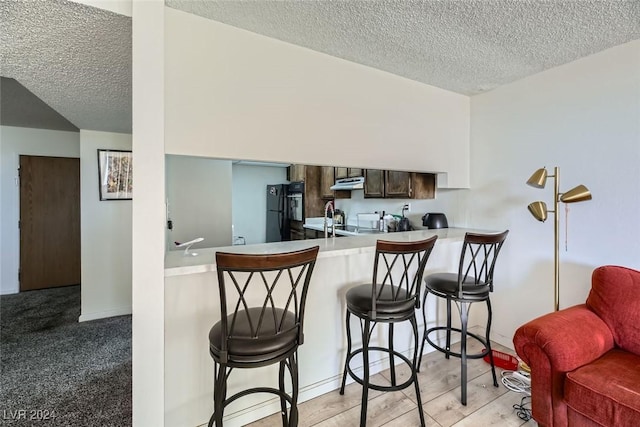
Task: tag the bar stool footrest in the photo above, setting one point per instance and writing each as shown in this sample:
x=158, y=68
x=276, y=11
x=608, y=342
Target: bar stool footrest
x=252, y=391
x=377, y=387
x=478, y=338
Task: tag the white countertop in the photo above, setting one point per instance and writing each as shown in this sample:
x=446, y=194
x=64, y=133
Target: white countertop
x=177, y=264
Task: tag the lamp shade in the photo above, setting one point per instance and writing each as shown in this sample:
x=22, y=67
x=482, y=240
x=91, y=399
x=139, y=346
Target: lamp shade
x=576, y=194
x=538, y=210
x=538, y=179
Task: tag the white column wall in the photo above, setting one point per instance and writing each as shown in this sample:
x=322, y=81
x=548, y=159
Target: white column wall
x=106, y=234
x=16, y=141
x=148, y=213
x=585, y=118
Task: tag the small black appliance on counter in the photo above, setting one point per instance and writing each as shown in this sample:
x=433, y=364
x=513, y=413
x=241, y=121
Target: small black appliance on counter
x=435, y=220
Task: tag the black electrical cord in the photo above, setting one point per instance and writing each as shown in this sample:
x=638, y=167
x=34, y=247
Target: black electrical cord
x=523, y=412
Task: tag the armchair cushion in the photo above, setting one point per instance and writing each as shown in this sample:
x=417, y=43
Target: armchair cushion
x=614, y=402
x=614, y=298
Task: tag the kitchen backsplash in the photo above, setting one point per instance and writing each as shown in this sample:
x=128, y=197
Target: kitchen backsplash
x=447, y=201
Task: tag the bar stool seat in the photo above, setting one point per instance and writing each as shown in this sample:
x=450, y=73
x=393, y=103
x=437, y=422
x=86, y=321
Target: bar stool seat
x=443, y=284
x=359, y=302
x=244, y=348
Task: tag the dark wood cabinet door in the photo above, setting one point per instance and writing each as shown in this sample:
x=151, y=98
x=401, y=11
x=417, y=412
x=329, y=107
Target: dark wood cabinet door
x=423, y=185
x=327, y=179
x=373, y=183
x=296, y=173
x=354, y=172
x=342, y=173
x=313, y=203
x=398, y=184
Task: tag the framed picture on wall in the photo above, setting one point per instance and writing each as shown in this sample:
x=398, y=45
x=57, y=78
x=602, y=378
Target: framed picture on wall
x=115, y=174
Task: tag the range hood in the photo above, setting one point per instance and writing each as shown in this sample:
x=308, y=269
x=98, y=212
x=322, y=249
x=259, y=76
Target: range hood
x=356, y=183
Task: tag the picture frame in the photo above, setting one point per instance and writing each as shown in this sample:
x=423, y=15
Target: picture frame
x=115, y=174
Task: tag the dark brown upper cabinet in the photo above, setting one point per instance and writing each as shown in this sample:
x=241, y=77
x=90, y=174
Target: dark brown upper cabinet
x=354, y=172
x=327, y=179
x=397, y=184
x=373, y=184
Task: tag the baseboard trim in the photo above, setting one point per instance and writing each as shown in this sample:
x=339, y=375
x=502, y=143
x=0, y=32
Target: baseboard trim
x=85, y=317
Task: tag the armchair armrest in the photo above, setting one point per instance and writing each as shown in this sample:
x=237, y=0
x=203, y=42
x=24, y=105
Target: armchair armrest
x=570, y=338
x=554, y=344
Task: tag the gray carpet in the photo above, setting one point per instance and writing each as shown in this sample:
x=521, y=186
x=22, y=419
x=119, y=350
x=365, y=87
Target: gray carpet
x=55, y=371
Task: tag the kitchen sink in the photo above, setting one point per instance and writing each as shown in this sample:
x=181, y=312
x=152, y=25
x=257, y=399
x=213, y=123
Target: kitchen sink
x=355, y=230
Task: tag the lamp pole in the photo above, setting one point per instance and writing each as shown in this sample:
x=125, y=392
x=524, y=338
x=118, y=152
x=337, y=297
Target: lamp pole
x=556, y=238
x=539, y=211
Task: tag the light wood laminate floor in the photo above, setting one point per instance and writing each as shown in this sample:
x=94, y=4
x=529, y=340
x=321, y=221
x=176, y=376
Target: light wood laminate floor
x=439, y=380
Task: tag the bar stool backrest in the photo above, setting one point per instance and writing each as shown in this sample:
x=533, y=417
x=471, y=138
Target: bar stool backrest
x=398, y=270
x=276, y=284
x=478, y=259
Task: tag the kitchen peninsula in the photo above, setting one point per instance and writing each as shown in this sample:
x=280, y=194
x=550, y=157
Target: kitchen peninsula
x=192, y=307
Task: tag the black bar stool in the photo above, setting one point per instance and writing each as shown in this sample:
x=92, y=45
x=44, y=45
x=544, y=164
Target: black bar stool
x=249, y=336
x=393, y=297
x=472, y=283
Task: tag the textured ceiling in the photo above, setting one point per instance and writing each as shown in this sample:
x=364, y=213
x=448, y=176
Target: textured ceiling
x=21, y=108
x=76, y=58
x=466, y=46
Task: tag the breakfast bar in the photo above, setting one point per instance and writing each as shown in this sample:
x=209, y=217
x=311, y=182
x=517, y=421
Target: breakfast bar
x=192, y=307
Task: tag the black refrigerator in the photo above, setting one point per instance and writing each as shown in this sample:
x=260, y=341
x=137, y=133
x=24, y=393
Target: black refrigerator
x=277, y=213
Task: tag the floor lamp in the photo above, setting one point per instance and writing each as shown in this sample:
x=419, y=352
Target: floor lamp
x=539, y=210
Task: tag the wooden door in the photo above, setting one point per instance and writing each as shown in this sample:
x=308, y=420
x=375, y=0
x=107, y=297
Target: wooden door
x=398, y=184
x=373, y=184
x=49, y=222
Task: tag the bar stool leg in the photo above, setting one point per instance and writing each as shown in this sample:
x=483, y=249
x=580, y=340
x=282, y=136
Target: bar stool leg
x=293, y=363
x=464, y=316
x=424, y=325
x=365, y=376
x=283, y=402
x=448, y=345
x=414, y=371
x=346, y=362
x=218, y=394
x=391, y=358
x=493, y=367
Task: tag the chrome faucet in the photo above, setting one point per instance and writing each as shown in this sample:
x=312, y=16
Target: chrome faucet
x=328, y=206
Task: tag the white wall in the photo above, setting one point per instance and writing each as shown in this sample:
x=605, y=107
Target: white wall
x=14, y=142
x=238, y=95
x=106, y=234
x=585, y=118
x=199, y=197
x=250, y=200
x=148, y=105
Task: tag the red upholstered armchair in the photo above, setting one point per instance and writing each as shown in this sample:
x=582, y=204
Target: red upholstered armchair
x=585, y=360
